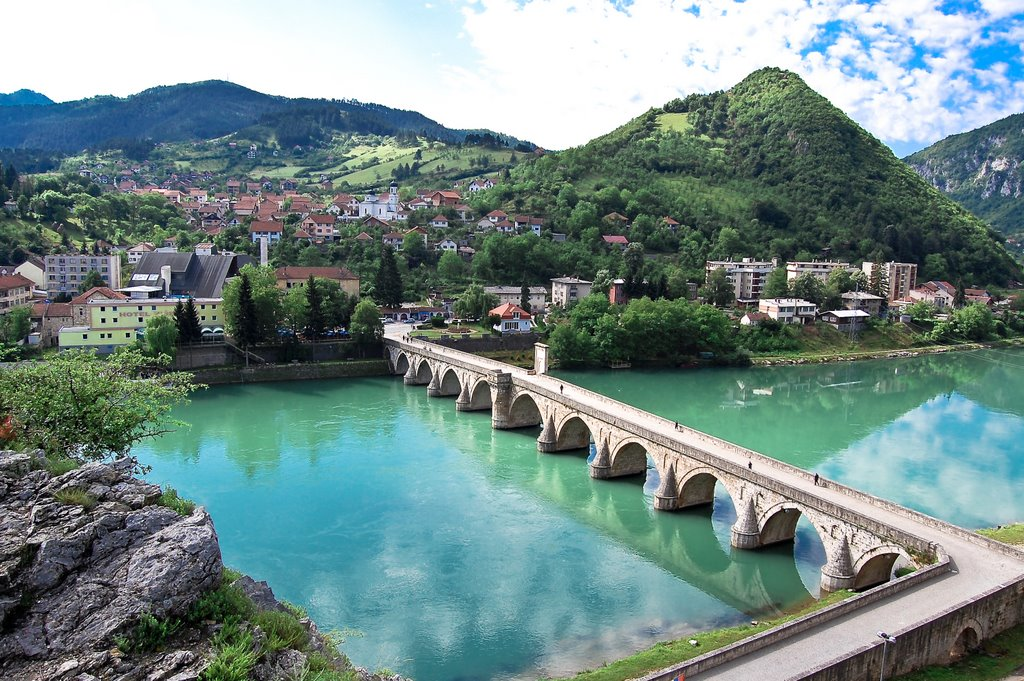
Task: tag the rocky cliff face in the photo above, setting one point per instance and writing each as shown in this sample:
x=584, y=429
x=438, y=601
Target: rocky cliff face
x=73, y=577
x=86, y=556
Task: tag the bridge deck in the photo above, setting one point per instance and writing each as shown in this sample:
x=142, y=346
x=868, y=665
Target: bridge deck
x=979, y=565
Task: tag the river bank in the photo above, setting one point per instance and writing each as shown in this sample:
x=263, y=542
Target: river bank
x=853, y=356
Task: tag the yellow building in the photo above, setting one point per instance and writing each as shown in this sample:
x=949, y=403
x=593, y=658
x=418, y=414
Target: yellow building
x=114, y=323
x=291, y=276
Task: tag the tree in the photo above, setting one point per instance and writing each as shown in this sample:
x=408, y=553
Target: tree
x=388, y=290
x=776, y=284
x=92, y=280
x=254, y=319
x=366, y=327
x=161, y=335
x=633, y=266
x=878, y=280
x=191, y=330
x=718, y=290
x=14, y=326
x=451, y=267
x=474, y=303
x=315, y=320
x=810, y=288
x=414, y=249
x=524, y=297
x=78, y=405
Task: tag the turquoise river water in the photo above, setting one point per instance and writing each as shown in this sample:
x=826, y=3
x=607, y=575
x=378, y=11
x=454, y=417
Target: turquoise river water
x=447, y=550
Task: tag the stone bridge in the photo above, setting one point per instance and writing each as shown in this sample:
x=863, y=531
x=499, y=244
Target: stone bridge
x=770, y=497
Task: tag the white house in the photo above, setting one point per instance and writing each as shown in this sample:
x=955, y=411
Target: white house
x=380, y=207
x=512, y=319
x=788, y=310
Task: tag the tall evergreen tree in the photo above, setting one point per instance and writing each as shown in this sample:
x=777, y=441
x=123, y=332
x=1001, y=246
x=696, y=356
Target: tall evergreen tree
x=389, y=282
x=315, y=319
x=247, y=324
x=189, y=329
x=524, y=297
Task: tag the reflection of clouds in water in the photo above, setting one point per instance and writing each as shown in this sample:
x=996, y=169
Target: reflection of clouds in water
x=949, y=458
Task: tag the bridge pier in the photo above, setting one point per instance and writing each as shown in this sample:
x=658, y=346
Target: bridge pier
x=838, y=572
x=548, y=440
x=666, y=498
x=601, y=466
x=410, y=375
x=501, y=407
x=462, y=402
x=745, y=533
x=434, y=387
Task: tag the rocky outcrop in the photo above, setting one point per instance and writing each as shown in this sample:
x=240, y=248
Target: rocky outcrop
x=86, y=555
x=73, y=576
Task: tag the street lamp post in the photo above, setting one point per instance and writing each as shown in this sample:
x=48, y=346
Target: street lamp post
x=886, y=640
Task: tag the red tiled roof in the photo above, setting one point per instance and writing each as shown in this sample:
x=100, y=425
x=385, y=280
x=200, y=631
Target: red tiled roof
x=497, y=214
x=363, y=236
x=261, y=226
x=51, y=310
x=104, y=291
x=322, y=219
x=615, y=239
x=506, y=310
x=9, y=281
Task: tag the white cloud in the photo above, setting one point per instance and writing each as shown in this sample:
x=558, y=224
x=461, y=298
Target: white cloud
x=564, y=71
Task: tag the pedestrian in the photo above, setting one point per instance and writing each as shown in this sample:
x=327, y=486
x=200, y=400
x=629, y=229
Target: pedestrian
x=561, y=390
x=677, y=425
x=815, y=479
x=750, y=465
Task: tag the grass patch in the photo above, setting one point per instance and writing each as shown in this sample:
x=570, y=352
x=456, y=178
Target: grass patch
x=668, y=653
x=997, y=658
x=59, y=465
x=282, y=630
x=1008, y=534
x=171, y=500
x=223, y=604
x=76, y=496
x=236, y=655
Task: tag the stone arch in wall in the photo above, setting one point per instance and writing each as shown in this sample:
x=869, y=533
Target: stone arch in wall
x=524, y=411
x=697, y=488
x=968, y=640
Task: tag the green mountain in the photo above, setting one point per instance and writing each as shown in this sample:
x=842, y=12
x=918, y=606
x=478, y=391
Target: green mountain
x=206, y=110
x=24, y=98
x=982, y=170
x=786, y=172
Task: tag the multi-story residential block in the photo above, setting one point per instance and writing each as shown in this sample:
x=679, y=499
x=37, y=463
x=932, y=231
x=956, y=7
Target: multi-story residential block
x=821, y=269
x=747, y=276
x=902, y=277
x=788, y=310
x=514, y=294
x=15, y=291
x=66, y=272
x=567, y=290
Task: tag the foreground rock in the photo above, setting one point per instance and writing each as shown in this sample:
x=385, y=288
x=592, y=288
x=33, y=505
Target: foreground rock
x=86, y=555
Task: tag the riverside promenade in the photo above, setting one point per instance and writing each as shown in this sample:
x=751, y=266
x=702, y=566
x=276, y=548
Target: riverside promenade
x=972, y=590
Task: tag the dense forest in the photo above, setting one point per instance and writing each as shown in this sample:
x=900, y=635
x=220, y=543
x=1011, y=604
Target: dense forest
x=769, y=169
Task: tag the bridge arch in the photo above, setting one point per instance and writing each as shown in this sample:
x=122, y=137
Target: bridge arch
x=400, y=363
x=523, y=412
x=480, y=395
x=778, y=523
x=423, y=372
x=450, y=383
x=874, y=567
x=968, y=640
x=629, y=458
x=573, y=432
x=697, y=488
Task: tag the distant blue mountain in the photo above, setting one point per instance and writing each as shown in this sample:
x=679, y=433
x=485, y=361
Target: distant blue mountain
x=24, y=98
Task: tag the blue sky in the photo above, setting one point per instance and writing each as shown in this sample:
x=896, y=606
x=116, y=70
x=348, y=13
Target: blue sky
x=557, y=72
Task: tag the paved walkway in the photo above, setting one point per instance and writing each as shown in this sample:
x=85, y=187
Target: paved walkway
x=976, y=568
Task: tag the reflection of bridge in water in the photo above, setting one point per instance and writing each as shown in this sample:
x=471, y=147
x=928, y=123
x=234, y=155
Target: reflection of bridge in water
x=864, y=538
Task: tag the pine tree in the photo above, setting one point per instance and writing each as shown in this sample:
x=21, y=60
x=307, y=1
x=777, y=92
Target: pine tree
x=524, y=297
x=190, y=330
x=247, y=327
x=388, y=291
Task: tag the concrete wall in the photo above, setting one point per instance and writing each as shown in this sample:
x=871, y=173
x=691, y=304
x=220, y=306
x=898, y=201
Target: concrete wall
x=519, y=341
x=291, y=372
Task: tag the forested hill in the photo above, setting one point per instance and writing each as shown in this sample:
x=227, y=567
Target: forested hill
x=206, y=110
x=24, y=98
x=774, y=161
x=982, y=170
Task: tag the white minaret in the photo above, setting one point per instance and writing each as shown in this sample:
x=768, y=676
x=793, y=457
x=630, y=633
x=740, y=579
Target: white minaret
x=264, y=248
x=393, y=200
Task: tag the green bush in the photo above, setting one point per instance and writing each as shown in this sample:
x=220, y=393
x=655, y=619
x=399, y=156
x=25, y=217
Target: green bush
x=148, y=635
x=59, y=465
x=235, y=657
x=171, y=500
x=75, y=495
x=282, y=630
x=221, y=604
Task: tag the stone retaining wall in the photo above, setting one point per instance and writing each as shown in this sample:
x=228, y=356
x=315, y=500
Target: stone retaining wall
x=292, y=372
